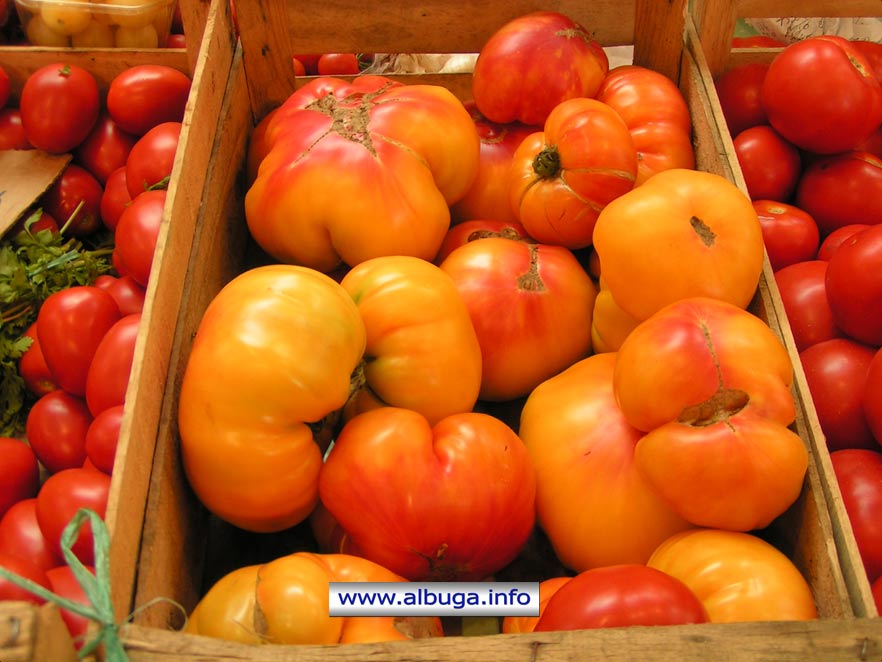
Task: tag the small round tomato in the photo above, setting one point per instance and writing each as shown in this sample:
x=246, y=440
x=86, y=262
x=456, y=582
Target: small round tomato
x=19, y=473
x=20, y=535
x=137, y=232
x=619, y=596
x=739, y=90
x=75, y=200
x=102, y=438
x=299, y=69
x=834, y=240
x=115, y=198
x=108, y=376
x=803, y=291
x=770, y=164
x=23, y=567
x=56, y=428
x=789, y=233
x=150, y=161
x=144, y=96
x=854, y=286
x=12, y=133
x=757, y=41
x=105, y=149
x=859, y=475
x=337, y=64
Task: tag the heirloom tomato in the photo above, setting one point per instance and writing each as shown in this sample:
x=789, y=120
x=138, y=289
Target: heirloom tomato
x=591, y=500
x=656, y=115
x=285, y=601
x=547, y=588
x=422, y=351
x=740, y=92
x=610, y=325
x=56, y=429
x=563, y=176
x=737, y=576
x=468, y=231
x=463, y=508
x=272, y=359
x=770, y=164
x=859, y=475
x=717, y=447
x=146, y=95
x=803, y=291
x=854, y=286
x=712, y=239
x=361, y=169
x=530, y=305
x=19, y=473
x=512, y=79
x=618, y=596
x=841, y=106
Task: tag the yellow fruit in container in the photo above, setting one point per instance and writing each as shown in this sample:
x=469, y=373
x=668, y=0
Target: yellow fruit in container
x=143, y=37
x=72, y=17
x=40, y=34
x=132, y=13
x=96, y=35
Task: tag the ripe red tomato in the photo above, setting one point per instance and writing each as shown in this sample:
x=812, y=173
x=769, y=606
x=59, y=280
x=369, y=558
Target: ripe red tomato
x=738, y=90
x=105, y=149
x=310, y=62
x=757, y=41
x=26, y=568
x=842, y=190
x=75, y=186
x=19, y=473
x=146, y=95
x=32, y=366
x=789, y=233
x=152, y=157
x=126, y=291
x=63, y=582
x=70, y=325
x=12, y=133
x=618, y=596
x=115, y=198
x=511, y=80
x=854, y=285
x=59, y=499
x=59, y=106
x=137, y=232
x=770, y=164
x=4, y=81
x=859, y=474
x=840, y=107
x=20, y=535
x=873, y=52
x=337, y=64
x=803, y=291
x=56, y=428
x=102, y=438
x=108, y=376
x=872, y=400
x=299, y=69
x=836, y=371
x=834, y=240
x=468, y=231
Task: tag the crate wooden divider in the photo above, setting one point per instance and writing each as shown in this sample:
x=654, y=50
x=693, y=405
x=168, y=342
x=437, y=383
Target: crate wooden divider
x=183, y=548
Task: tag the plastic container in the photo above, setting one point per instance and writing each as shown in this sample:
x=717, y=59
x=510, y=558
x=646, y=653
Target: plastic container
x=133, y=24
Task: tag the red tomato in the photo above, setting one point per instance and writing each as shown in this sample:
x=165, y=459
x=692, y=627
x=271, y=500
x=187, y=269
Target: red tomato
x=859, y=474
x=468, y=231
x=128, y=293
x=842, y=190
x=739, y=92
x=108, y=376
x=19, y=473
x=299, y=69
x=32, y=366
x=873, y=52
x=102, y=438
x=56, y=428
x=872, y=144
x=872, y=399
x=12, y=133
x=790, y=234
x=619, y=596
x=43, y=222
x=105, y=149
x=70, y=325
x=63, y=583
x=176, y=41
x=854, y=285
x=840, y=107
x=337, y=64
x=74, y=187
x=4, y=83
x=770, y=164
x=834, y=240
x=803, y=292
x=20, y=535
x=836, y=372
x=511, y=80
x=26, y=568
x=59, y=106
x=310, y=62
x=146, y=95
x=137, y=232
x=115, y=198
x=152, y=157
x=757, y=41
x=59, y=499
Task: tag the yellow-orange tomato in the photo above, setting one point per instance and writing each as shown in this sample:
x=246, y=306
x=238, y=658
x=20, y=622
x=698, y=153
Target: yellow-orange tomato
x=361, y=169
x=547, y=588
x=737, y=576
x=272, y=357
x=717, y=447
x=422, y=352
x=563, y=176
x=285, y=601
x=656, y=114
x=610, y=325
x=682, y=233
x=591, y=500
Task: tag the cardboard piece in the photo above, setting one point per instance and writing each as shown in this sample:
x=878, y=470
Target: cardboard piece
x=25, y=174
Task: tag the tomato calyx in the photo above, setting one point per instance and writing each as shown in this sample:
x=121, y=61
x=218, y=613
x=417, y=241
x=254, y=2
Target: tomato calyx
x=574, y=33
x=531, y=281
x=439, y=569
x=707, y=236
x=723, y=404
x=546, y=163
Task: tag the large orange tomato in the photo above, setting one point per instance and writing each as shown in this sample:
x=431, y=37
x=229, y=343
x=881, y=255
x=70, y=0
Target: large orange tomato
x=453, y=501
x=530, y=305
x=656, y=114
x=285, y=601
x=737, y=576
x=682, y=233
x=591, y=500
x=710, y=384
x=563, y=176
x=610, y=325
x=361, y=169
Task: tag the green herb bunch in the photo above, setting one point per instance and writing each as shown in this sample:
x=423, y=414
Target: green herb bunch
x=34, y=265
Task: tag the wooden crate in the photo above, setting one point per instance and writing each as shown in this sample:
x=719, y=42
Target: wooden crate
x=141, y=421
x=184, y=549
